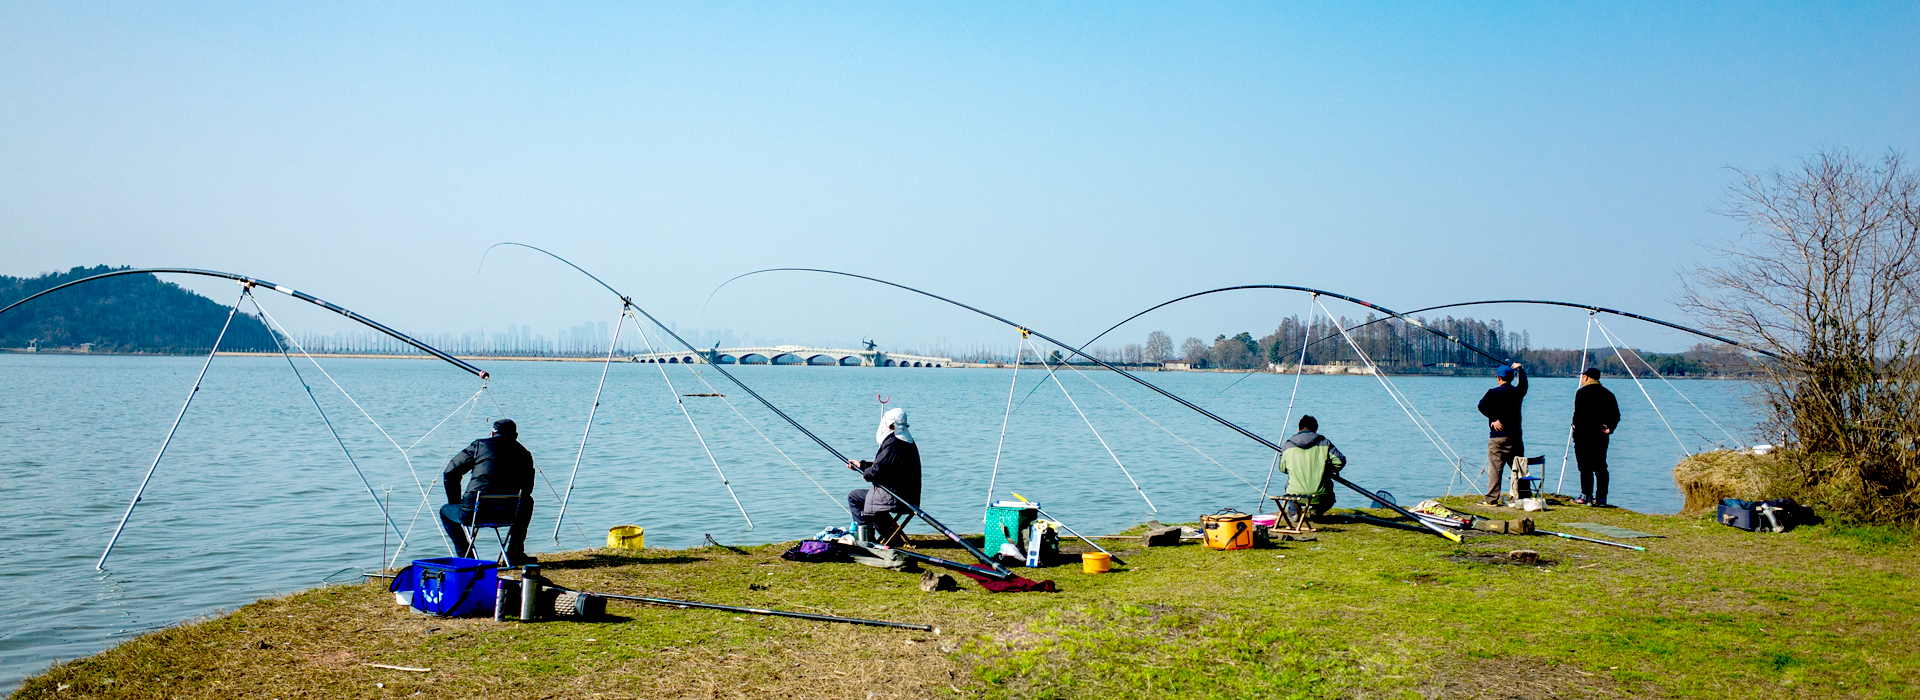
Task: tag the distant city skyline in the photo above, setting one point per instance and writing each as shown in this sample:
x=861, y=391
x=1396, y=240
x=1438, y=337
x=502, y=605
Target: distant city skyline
x=1063, y=165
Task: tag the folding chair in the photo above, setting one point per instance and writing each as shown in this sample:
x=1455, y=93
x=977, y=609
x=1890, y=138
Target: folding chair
x=893, y=533
x=1522, y=483
x=1296, y=513
x=492, y=513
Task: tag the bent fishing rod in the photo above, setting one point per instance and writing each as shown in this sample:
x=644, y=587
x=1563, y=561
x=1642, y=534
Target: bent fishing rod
x=256, y=282
x=995, y=569
x=1149, y=385
x=1590, y=309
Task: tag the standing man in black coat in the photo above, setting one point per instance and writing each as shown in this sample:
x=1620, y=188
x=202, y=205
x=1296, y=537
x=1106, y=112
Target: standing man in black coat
x=499, y=466
x=1501, y=406
x=896, y=467
x=1595, y=415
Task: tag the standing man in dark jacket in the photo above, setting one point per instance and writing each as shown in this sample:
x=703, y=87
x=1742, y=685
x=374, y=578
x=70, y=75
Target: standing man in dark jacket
x=896, y=467
x=1595, y=415
x=1501, y=406
x=494, y=466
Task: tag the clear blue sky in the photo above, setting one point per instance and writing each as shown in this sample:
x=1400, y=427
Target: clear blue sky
x=1065, y=165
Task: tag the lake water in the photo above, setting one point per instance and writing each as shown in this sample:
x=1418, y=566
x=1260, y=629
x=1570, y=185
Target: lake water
x=255, y=498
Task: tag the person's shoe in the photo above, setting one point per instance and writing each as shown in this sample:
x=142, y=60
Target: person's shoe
x=1600, y=503
x=1490, y=502
x=521, y=560
x=1581, y=501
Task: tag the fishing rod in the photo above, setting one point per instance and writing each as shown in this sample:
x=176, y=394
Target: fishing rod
x=1590, y=539
x=1149, y=385
x=256, y=282
x=1588, y=307
x=998, y=570
x=767, y=611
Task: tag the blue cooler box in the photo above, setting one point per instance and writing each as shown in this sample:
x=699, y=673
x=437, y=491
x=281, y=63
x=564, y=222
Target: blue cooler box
x=454, y=586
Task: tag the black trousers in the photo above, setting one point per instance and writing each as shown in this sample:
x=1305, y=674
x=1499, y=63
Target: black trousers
x=1590, y=451
x=454, y=517
x=857, y=502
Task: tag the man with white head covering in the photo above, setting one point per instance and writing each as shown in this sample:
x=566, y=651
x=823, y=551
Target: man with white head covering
x=896, y=466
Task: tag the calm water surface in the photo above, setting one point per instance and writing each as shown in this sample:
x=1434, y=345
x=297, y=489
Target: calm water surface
x=255, y=498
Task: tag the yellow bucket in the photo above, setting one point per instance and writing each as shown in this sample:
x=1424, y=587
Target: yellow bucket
x=1096, y=562
x=626, y=537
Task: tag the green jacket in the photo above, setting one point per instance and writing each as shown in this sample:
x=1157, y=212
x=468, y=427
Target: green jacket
x=1310, y=461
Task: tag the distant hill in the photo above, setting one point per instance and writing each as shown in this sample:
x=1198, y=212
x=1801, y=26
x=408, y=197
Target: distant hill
x=130, y=313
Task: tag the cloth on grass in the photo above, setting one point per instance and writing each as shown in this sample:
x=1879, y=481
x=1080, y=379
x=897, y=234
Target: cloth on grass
x=1612, y=531
x=818, y=552
x=1012, y=585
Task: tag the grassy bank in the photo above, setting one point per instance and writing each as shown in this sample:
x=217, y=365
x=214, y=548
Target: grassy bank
x=1363, y=611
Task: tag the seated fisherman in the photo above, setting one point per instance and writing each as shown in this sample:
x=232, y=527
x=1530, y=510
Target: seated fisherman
x=896, y=466
x=499, y=466
x=1310, y=461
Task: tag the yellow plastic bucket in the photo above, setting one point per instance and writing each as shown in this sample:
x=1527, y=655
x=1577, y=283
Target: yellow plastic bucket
x=1096, y=562
x=626, y=537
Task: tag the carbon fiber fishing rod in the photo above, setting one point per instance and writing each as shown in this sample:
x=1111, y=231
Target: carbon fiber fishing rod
x=256, y=282
x=995, y=569
x=1142, y=382
x=1589, y=307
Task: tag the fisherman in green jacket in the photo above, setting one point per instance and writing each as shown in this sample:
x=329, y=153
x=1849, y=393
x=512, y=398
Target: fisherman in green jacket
x=1310, y=462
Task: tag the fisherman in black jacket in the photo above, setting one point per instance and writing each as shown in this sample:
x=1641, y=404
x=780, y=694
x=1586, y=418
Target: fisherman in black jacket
x=896, y=467
x=1501, y=406
x=494, y=466
x=1595, y=414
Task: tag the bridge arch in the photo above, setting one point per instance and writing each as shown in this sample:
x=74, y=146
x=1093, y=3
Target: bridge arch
x=725, y=360
x=822, y=359
x=850, y=361
x=787, y=358
x=754, y=358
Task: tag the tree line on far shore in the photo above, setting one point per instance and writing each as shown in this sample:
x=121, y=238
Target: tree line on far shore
x=1398, y=347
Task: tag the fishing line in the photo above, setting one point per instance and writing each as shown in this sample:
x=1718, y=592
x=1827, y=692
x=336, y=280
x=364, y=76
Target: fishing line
x=763, y=436
x=1562, y=486
x=424, y=498
x=1299, y=367
x=1589, y=307
x=1089, y=379
x=1096, y=436
x=1643, y=388
x=618, y=326
x=1269, y=444
x=1683, y=396
x=1426, y=430
x=1004, y=418
x=677, y=401
x=195, y=391
x=329, y=423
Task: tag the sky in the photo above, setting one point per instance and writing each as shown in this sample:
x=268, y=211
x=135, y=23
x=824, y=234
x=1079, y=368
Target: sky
x=1062, y=164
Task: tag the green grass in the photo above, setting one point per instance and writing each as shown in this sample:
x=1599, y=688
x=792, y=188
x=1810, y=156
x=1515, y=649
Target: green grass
x=1708, y=611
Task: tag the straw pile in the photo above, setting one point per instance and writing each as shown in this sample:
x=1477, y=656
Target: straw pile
x=1707, y=477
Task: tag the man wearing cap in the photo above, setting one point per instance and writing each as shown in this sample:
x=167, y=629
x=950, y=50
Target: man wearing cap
x=493, y=466
x=1595, y=414
x=1501, y=406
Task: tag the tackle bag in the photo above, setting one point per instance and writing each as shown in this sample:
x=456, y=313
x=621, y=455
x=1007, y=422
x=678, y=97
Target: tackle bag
x=450, y=586
x=1777, y=515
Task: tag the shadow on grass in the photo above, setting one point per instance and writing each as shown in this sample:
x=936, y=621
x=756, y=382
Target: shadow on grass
x=598, y=560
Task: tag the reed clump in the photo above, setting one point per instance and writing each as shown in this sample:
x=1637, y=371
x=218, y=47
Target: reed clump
x=1849, y=488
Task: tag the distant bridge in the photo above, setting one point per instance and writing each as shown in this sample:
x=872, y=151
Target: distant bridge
x=796, y=355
